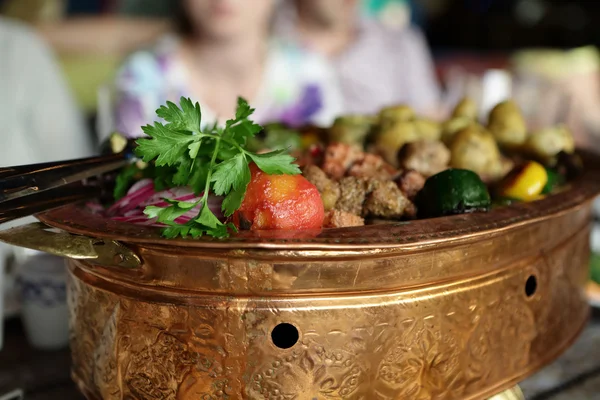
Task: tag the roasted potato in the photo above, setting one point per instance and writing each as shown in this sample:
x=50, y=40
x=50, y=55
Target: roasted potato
x=475, y=149
x=466, y=108
x=454, y=125
x=428, y=129
x=391, y=138
x=351, y=129
x=507, y=125
x=546, y=144
x=393, y=114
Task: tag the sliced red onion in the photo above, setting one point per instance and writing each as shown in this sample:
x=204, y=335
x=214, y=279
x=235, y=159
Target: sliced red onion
x=142, y=194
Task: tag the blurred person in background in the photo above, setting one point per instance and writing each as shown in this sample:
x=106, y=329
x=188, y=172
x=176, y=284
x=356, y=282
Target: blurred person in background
x=224, y=50
x=40, y=119
x=378, y=64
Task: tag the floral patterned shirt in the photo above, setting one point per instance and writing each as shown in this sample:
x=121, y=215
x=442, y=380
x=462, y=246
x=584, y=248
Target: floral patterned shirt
x=298, y=88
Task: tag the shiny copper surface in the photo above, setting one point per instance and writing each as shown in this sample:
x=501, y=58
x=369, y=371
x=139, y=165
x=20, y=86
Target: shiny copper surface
x=453, y=308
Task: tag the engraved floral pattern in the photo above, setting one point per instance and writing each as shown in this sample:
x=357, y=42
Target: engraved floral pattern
x=424, y=346
x=331, y=375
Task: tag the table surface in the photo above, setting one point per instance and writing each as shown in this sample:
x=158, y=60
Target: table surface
x=45, y=375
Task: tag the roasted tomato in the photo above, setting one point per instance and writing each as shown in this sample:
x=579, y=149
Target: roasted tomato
x=287, y=202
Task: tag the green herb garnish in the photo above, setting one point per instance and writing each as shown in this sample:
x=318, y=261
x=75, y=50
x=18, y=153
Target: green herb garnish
x=213, y=160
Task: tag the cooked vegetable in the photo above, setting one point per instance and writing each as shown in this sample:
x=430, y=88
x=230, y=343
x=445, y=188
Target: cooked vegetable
x=212, y=160
x=393, y=136
x=475, y=149
x=451, y=127
x=508, y=125
x=554, y=181
x=595, y=268
x=427, y=129
x=525, y=183
x=453, y=191
x=546, y=144
x=393, y=114
x=116, y=143
x=466, y=108
x=287, y=202
x=351, y=129
x=428, y=157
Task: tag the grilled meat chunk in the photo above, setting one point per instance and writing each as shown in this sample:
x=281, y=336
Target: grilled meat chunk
x=329, y=189
x=372, y=166
x=410, y=182
x=342, y=219
x=385, y=200
x=353, y=192
x=339, y=158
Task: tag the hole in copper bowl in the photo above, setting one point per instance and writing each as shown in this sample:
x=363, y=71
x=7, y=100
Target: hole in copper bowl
x=531, y=286
x=285, y=335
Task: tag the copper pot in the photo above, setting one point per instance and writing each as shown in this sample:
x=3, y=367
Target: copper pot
x=460, y=307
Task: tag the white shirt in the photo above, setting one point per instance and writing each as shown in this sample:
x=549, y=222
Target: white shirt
x=298, y=87
x=38, y=117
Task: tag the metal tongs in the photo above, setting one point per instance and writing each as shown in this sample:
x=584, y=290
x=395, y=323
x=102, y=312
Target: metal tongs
x=29, y=189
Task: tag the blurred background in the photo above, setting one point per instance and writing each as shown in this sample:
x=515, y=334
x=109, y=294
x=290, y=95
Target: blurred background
x=548, y=46
x=72, y=71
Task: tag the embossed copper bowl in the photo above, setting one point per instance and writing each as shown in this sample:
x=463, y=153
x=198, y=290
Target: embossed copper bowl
x=461, y=307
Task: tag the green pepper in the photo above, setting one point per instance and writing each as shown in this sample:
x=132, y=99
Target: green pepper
x=453, y=191
x=554, y=180
x=595, y=268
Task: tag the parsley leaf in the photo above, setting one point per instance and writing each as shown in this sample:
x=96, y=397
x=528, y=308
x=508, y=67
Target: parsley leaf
x=187, y=118
x=231, y=174
x=276, y=162
x=211, y=160
x=124, y=180
x=166, y=145
x=233, y=201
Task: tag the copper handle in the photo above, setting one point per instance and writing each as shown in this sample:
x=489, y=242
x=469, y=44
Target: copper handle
x=41, y=237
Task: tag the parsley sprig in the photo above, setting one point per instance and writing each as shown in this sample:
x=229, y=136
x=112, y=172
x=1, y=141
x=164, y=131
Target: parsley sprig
x=210, y=160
